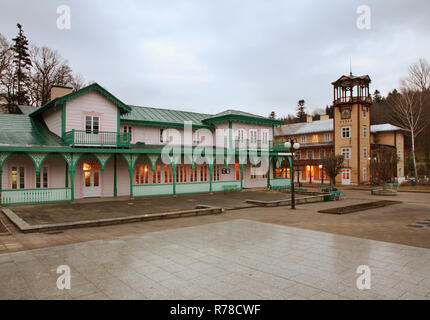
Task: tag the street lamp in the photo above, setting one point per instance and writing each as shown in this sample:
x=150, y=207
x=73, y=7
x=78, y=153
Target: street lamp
x=322, y=173
x=295, y=146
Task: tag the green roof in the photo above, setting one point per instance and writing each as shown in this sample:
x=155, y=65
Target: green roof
x=240, y=116
x=26, y=109
x=21, y=130
x=93, y=87
x=164, y=117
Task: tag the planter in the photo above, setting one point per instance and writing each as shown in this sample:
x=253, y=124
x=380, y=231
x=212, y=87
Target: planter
x=382, y=192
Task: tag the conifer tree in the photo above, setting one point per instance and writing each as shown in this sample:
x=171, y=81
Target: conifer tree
x=22, y=65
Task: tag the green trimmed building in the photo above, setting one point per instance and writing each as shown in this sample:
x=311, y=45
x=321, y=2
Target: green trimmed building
x=88, y=143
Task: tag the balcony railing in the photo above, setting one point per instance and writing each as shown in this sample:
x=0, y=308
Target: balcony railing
x=250, y=144
x=341, y=100
x=83, y=138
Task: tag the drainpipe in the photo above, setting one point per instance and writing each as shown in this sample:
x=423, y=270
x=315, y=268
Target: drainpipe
x=115, y=190
x=174, y=177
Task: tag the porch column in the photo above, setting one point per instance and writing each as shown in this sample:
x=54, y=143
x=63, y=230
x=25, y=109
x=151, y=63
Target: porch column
x=130, y=170
x=67, y=176
x=115, y=189
x=241, y=176
x=72, y=184
x=268, y=174
x=174, y=177
x=210, y=176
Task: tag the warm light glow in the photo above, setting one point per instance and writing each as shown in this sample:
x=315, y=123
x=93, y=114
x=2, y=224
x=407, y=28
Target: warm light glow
x=320, y=166
x=146, y=169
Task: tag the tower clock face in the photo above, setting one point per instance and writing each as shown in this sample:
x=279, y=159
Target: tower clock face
x=346, y=113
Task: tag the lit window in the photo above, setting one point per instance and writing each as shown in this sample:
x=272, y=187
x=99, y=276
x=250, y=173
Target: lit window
x=18, y=178
x=315, y=138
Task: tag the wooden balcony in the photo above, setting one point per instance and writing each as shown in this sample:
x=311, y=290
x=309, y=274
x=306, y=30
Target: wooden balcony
x=349, y=100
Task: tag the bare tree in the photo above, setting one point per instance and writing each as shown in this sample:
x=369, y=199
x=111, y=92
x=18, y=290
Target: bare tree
x=48, y=69
x=332, y=165
x=385, y=164
x=409, y=116
x=7, y=74
x=419, y=76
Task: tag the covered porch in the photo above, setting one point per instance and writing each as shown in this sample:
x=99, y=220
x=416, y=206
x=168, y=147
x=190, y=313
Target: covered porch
x=44, y=177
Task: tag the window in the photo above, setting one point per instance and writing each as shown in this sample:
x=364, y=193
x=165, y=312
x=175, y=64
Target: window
x=127, y=129
x=346, y=132
x=399, y=154
x=364, y=174
x=92, y=124
x=18, y=178
x=400, y=172
x=253, y=136
x=303, y=139
x=161, y=135
x=142, y=174
x=346, y=152
x=315, y=138
x=240, y=135
x=327, y=137
x=322, y=153
x=265, y=137
x=252, y=172
x=42, y=178
x=196, y=137
x=364, y=112
x=310, y=154
x=364, y=152
x=216, y=174
x=298, y=155
x=364, y=131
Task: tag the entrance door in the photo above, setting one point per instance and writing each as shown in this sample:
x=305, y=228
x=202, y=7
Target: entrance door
x=91, y=181
x=346, y=176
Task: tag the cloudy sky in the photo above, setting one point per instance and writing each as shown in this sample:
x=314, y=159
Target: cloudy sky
x=210, y=55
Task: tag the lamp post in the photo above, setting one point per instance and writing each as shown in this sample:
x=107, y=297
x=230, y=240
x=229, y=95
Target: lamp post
x=295, y=146
x=322, y=173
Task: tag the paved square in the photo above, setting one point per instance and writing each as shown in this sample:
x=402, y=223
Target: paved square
x=238, y=259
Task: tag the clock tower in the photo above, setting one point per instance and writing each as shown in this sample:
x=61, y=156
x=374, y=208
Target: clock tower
x=351, y=124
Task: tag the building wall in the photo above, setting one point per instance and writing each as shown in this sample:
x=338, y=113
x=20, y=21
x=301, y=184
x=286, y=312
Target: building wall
x=52, y=120
x=91, y=103
x=356, y=142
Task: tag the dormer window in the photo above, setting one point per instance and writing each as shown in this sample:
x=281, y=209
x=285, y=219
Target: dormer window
x=161, y=135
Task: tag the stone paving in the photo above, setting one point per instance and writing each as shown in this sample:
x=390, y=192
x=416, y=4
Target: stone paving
x=237, y=259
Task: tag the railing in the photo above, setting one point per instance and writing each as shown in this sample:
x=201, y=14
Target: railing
x=249, y=144
x=366, y=99
x=35, y=195
x=97, y=138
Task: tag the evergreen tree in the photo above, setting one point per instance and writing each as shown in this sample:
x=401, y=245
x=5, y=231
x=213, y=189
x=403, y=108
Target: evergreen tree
x=22, y=65
x=301, y=113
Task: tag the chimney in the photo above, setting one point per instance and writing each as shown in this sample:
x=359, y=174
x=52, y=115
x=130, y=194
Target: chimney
x=308, y=118
x=59, y=91
x=324, y=117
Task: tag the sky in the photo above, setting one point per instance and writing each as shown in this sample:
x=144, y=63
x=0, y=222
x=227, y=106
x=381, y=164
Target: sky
x=212, y=55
